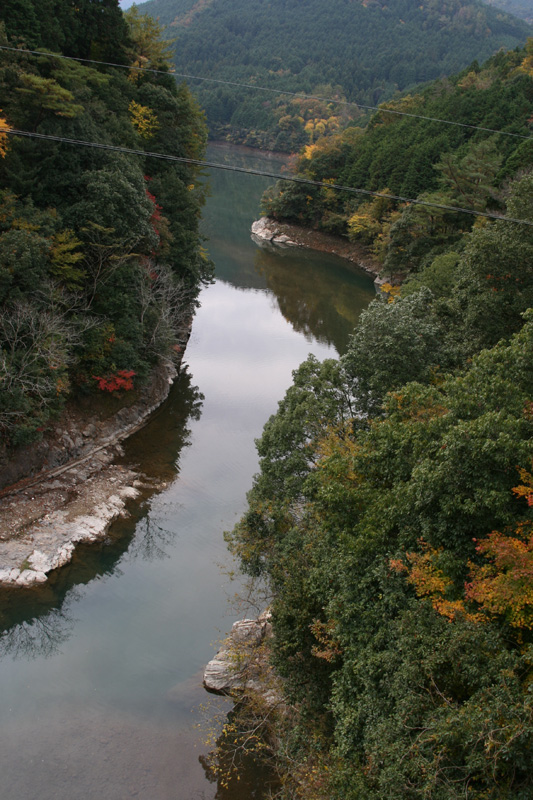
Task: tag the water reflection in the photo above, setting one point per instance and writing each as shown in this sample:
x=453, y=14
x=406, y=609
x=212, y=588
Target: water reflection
x=237, y=772
x=37, y=622
x=317, y=293
x=321, y=295
x=40, y=637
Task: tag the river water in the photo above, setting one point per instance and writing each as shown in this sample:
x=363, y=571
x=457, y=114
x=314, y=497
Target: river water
x=100, y=671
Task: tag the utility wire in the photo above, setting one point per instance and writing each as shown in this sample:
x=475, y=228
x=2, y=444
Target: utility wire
x=247, y=171
x=268, y=89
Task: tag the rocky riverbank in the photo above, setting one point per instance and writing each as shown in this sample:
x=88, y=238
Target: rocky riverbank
x=268, y=231
x=241, y=667
x=71, y=490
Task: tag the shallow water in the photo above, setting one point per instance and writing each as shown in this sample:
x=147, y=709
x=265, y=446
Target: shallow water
x=100, y=671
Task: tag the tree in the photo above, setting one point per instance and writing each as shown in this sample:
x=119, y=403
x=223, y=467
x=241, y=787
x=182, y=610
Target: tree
x=393, y=343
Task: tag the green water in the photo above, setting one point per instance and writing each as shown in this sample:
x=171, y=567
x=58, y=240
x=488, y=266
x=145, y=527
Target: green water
x=100, y=671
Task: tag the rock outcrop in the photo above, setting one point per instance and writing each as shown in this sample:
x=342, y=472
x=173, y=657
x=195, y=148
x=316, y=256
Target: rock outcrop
x=241, y=665
x=266, y=230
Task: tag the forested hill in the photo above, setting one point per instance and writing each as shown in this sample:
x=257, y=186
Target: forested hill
x=420, y=158
x=391, y=520
x=520, y=8
x=362, y=51
x=100, y=261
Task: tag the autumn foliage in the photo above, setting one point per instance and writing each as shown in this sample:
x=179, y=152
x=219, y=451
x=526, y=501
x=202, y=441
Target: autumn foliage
x=118, y=381
x=4, y=129
x=500, y=586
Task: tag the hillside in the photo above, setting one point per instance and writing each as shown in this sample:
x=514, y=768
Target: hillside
x=100, y=260
x=519, y=8
x=405, y=156
x=392, y=516
x=360, y=51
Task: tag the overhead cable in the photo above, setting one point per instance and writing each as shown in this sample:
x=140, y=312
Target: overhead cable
x=247, y=171
x=297, y=95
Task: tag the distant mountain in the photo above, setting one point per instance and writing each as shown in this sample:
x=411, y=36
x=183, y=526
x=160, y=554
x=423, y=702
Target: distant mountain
x=359, y=50
x=520, y=8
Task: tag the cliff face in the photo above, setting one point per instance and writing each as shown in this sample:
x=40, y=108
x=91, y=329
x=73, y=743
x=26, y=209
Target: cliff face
x=82, y=428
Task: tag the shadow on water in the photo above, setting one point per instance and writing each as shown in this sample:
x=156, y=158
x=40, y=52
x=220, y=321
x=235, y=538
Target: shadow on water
x=319, y=294
x=36, y=622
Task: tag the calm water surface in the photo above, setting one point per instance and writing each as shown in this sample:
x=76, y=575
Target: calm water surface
x=100, y=671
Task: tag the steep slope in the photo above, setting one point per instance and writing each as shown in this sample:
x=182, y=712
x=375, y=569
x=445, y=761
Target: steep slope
x=392, y=515
x=100, y=259
x=361, y=51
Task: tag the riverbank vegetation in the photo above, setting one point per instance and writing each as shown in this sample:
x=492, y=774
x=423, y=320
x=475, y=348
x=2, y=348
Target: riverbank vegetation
x=425, y=159
x=392, y=517
x=360, y=52
x=100, y=257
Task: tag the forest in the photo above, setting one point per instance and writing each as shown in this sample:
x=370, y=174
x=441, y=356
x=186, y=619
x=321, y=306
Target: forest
x=390, y=525
x=100, y=256
x=520, y=8
x=391, y=520
x=360, y=52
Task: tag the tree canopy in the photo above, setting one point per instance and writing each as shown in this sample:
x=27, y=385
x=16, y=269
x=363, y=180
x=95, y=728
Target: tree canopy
x=100, y=257
x=352, y=50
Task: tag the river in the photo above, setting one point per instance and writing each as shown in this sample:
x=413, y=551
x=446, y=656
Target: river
x=100, y=670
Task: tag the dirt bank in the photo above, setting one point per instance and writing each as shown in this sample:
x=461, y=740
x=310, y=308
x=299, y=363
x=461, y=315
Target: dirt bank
x=268, y=230
x=66, y=489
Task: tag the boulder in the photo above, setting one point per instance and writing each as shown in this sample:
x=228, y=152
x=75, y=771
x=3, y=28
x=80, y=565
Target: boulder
x=241, y=664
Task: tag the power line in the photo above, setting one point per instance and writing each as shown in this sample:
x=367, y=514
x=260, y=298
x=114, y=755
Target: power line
x=248, y=171
x=268, y=89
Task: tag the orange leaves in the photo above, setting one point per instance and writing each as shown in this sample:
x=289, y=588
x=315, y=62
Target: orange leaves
x=502, y=586
x=527, y=64
x=328, y=648
x=123, y=379
x=505, y=585
x=429, y=581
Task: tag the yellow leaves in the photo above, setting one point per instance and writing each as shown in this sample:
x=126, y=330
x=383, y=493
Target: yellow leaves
x=150, y=49
x=4, y=136
x=64, y=255
x=370, y=219
x=427, y=579
x=309, y=150
x=476, y=80
x=391, y=292
x=525, y=490
x=407, y=104
x=143, y=119
x=362, y=225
